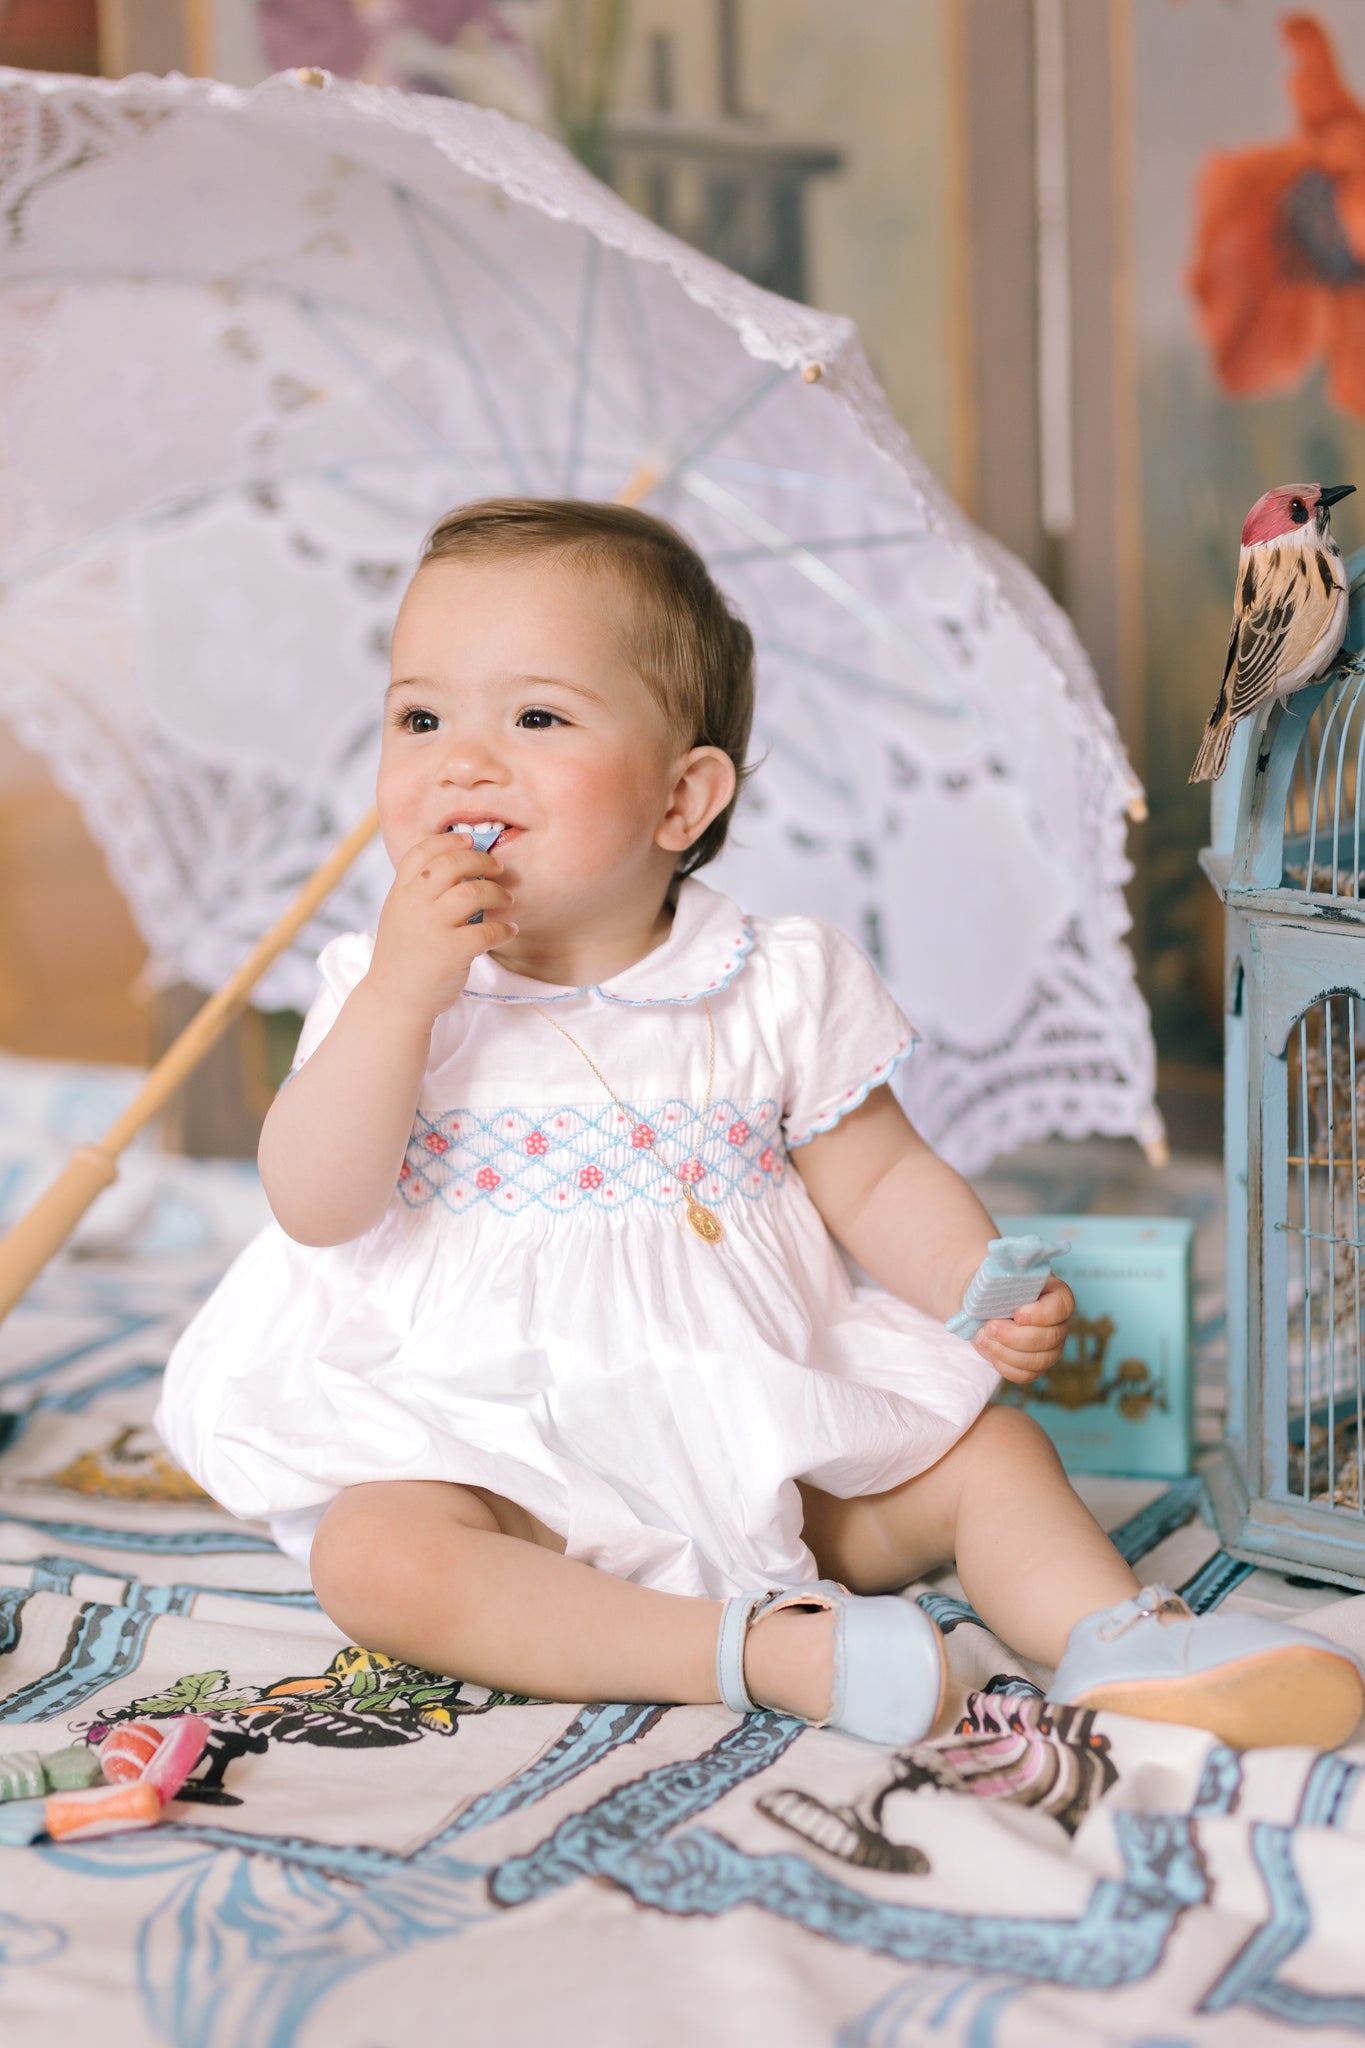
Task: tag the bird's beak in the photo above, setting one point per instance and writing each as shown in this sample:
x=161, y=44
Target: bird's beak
x=1329, y=493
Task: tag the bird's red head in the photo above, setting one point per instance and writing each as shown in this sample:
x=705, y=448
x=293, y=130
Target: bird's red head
x=1289, y=508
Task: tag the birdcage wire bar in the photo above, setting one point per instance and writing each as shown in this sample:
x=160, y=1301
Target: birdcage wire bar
x=1322, y=817
x=1323, y=1445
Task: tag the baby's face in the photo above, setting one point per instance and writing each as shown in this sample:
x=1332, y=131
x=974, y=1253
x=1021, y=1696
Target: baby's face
x=514, y=700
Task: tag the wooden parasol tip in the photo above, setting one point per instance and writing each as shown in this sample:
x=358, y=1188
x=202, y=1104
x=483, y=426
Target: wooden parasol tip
x=1137, y=809
x=308, y=74
x=812, y=373
x=638, y=484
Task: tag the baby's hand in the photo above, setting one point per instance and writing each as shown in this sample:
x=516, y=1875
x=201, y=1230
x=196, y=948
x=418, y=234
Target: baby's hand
x=1030, y=1343
x=425, y=944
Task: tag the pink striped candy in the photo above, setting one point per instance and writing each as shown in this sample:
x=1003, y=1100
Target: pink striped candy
x=185, y=1741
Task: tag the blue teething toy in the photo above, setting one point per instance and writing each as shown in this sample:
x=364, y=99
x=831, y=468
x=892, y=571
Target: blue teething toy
x=483, y=837
x=1014, y=1271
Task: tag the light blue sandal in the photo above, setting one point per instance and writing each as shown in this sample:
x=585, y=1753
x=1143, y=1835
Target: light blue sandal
x=890, y=1671
x=1254, y=1683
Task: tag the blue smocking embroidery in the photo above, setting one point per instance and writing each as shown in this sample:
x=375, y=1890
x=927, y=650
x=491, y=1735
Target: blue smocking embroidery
x=564, y=1156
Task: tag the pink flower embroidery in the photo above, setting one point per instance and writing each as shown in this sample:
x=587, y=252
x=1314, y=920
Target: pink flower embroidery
x=590, y=1177
x=487, y=1179
x=737, y=1133
x=692, y=1172
x=434, y=1142
x=405, y=1171
x=537, y=1144
x=767, y=1159
x=641, y=1136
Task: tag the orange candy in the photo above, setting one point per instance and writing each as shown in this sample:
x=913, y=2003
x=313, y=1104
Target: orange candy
x=127, y=1752
x=103, y=1810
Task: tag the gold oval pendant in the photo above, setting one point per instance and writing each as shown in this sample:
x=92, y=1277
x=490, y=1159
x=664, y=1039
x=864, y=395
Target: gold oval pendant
x=704, y=1221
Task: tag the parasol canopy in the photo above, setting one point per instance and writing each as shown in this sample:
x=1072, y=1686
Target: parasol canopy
x=253, y=343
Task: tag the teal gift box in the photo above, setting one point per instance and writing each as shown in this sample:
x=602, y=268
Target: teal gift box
x=1122, y=1398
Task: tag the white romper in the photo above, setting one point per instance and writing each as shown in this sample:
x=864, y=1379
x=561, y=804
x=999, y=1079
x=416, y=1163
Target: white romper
x=533, y=1315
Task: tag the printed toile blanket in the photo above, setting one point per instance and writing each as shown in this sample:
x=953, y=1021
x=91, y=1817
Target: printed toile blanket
x=366, y=1847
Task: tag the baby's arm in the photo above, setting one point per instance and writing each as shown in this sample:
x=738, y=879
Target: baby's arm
x=333, y=1141
x=916, y=1227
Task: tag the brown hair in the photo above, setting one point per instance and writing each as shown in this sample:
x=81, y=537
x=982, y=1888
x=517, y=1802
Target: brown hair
x=692, y=652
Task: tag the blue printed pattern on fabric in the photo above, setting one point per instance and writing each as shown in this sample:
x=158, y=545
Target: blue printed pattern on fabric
x=564, y=1156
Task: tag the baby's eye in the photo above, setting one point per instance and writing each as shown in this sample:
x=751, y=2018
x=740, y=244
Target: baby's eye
x=537, y=719
x=417, y=720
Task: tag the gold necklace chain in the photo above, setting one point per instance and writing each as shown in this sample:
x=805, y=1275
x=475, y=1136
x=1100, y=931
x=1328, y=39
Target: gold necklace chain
x=703, y=1221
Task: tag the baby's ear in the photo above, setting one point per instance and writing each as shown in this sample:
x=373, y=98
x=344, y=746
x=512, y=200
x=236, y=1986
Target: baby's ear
x=704, y=786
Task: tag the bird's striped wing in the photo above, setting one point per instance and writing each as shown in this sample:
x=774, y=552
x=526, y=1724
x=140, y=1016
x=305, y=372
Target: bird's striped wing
x=1285, y=610
x=1286, y=626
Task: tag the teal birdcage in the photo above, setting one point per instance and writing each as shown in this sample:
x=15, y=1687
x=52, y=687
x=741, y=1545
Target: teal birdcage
x=1288, y=860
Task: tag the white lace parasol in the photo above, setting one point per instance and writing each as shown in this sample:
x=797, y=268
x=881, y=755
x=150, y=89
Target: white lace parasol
x=253, y=343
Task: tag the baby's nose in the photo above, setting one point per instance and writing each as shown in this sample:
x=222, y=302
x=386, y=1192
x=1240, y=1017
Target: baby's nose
x=471, y=758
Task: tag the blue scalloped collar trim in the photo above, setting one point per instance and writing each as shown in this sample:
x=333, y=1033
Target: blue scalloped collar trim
x=709, y=931
x=856, y=1098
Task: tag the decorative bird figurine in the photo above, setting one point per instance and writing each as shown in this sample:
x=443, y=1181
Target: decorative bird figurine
x=1288, y=614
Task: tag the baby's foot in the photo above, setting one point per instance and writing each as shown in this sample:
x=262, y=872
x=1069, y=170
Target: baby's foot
x=1253, y=1683
x=789, y=1661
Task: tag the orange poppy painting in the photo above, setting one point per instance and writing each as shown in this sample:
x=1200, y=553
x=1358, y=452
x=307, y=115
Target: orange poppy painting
x=1278, y=275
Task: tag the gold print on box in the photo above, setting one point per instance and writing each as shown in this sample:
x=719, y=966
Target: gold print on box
x=1078, y=1379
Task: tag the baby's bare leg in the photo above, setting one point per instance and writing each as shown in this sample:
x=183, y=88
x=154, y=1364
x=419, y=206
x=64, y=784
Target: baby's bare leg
x=454, y=1579
x=1031, y=1557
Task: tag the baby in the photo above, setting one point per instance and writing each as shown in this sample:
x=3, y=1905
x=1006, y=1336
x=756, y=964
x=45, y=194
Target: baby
x=550, y=1366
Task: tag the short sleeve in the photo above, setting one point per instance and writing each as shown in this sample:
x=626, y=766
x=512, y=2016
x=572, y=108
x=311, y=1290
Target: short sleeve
x=842, y=1033
x=342, y=963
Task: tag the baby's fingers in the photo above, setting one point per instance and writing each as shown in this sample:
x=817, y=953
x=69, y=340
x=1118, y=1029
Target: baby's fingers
x=1054, y=1307
x=434, y=866
x=1011, y=1366
x=490, y=933
x=1020, y=1354
x=477, y=893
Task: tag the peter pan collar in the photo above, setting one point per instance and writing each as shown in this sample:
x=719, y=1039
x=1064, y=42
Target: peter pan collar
x=710, y=941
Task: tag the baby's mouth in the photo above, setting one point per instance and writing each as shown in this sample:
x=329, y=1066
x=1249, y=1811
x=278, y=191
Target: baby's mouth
x=485, y=833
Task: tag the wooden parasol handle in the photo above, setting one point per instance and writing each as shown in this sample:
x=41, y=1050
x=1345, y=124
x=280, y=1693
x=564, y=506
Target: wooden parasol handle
x=40, y=1234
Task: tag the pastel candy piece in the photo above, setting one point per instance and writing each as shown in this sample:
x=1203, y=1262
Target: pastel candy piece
x=21, y=1775
x=22, y=1821
x=126, y=1753
x=102, y=1810
x=72, y=1770
x=483, y=836
x=1014, y=1271
x=185, y=1741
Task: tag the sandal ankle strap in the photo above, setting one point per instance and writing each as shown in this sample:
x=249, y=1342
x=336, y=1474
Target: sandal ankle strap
x=734, y=1626
x=735, y=1619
